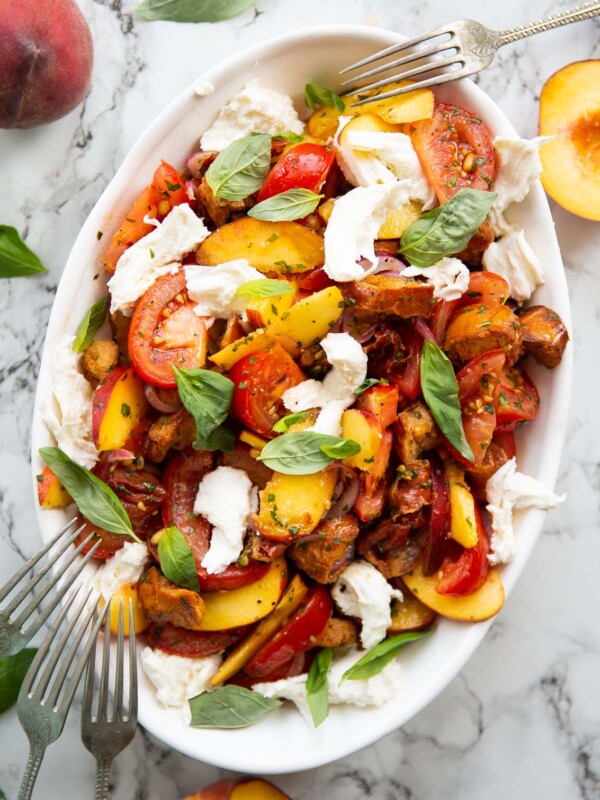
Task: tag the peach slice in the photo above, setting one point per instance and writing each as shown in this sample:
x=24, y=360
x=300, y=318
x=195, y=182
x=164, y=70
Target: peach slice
x=118, y=406
x=125, y=593
x=410, y=615
x=264, y=311
x=291, y=506
x=362, y=426
x=232, y=789
x=51, y=493
x=367, y=123
x=570, y=111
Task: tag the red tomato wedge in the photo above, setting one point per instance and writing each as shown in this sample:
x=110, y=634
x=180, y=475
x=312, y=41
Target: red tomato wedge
x=192, y=644
x=315, y=280
x=165, y=331
x=507, y=442
x=166, y=191
x=469, y=572
x=260, y=380
x=382, y=401
x=380, y=464
x=395, y=355
x=304, y=166
x=368, y=505
x=455, y=150
x=439, y=521
x=516, y=399
x=296, y=666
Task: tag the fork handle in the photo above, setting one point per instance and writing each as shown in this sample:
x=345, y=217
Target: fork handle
x=36, y=755
x=103, y=766
x=585, y=11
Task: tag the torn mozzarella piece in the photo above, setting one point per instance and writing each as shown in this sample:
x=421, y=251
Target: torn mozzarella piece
x=125, y=567
x=513, y=259
x=214, y=288
x=449, y=277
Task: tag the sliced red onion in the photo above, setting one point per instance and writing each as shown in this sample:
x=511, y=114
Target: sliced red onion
x=423, y=328
x=310, y=537
x=155, y=401
x=341, y=562
x=346, y=500
x=119, y=455
x=366, y=335
x=190, y=187
x=198, y=161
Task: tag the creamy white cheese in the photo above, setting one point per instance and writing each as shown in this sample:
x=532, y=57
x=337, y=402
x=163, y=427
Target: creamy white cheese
x=449, y=277
x=158, y=253
x=518, y=167
x=513, y=259
x=214, y=288
x=177, y=678
x=125, y=567
x=335, y=392
x=68, y=415
x=226, y=498
x=507, y=490
x=362, y=591
x=352, y=228
x=253, y=109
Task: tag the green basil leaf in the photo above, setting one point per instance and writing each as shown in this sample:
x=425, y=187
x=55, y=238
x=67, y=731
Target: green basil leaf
x=440, y=390
x=96, y=501
x=366, y=384
x=16, y=259
x=239, y=170
x=288, y=136
x=90, y=325
x=177, y=560
x=282, y=425
x=193, y=10
x=305, y=452
x=447, y=229
x=317, y=95
x=230, y=707
x=317, y=686
x=264, y=287
x=207, y=396
x=12, y=673
x=286, y=206
x=378, y=657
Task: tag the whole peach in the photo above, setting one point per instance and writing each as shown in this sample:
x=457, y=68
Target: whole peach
x=46, y=55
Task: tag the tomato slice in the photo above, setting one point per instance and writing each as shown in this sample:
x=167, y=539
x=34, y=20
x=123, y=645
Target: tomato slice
x=165, y=331
x=304, y=166
x=516, y=399
x=315, y=280
x=455, y=150
x=296, y=636
x=166, y=191
x=382, y=401
x=191, y=644
x=507, y=442
x=295, y=666
x=260, y=380
x=439, y=521
x=380, y=464
x=370, y=505
x=469, y=572
x=395, y=354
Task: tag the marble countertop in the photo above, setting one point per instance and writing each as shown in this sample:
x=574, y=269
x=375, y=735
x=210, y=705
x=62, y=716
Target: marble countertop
x=523, y=718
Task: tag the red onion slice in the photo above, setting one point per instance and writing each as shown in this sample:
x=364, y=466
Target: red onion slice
x=423, y=328
x=199, y=161
x=155, y=401
x=341, y=562
x=346, y=500
x=119, y=455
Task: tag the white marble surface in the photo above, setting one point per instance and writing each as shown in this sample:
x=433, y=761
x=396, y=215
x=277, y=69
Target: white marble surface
x=523, y=719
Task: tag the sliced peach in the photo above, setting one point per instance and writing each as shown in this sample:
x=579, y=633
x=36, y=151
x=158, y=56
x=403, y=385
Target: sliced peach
x=126, y=593
x=410, y=615
x=463, y=527
x=51, y=493
x=362, y=426
x=118, y=406
x=570, y=111
x=233, y=789
x=264, y=311
x=476, y=607
x=398, y=220
x=366, y=123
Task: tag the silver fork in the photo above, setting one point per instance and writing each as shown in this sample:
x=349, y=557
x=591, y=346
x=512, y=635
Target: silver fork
x=104, y=735
x=46, y=694
x=474, y=46
x=13, y=633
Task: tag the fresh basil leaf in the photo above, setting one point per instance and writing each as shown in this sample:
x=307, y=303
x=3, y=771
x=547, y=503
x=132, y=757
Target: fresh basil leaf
x=90, y=325
x=440, y=390
x=447, y=229
x=317, y=95
x=96, y=501
x=207, y=396
x=366, y=384
x=317, y=686
x=283, y=424
x=378, y=657
x=16, y=259
x=286, y=206
x=264, y=287
x=288, y=136
x=239, y=170
x=193, y=10
x=305, y=452
x=230, y=707
x=12, y=673
x=177, y=560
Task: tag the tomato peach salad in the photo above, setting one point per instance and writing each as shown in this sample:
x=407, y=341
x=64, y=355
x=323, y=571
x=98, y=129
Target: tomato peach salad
x=298, y=445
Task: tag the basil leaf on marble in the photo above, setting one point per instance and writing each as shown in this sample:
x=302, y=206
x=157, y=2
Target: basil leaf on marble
x=96, y=501
x=368, y=383
x=286, y=206
x=305, y=452
x=239, y=170
x=90, y=325
x=440, y=390
x=207, y=396
x=317, y=686
x=447, y=229
x=177, y=560
x=193, y=10
x=12, y=673
x=317, y=95
x=16, y=259
x=283, y=424
x=378, y=657
x=264, y=287
x=230, y=707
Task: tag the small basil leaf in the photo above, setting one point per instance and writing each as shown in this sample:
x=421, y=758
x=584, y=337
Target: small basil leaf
x=378, y=657
x=177, y=560
x=302, y=452
x=289, y=136
x=317, y=95
x=193, y=10
x=90, y=325
x=239, y=170
x=368, y=383
x=447, y=229
x=96, y=501
x=230, y=707
x=286, y=206
x=342, y=449
x=220, y=439
x=317, y=686
x=282, y=425
x=264, y=287
x=207, y=396
x=16, y=259
x=440, y=390
x=12, y=673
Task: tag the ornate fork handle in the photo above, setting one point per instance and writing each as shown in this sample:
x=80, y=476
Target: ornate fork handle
x=36, y=755
x=102, y=777
x=576, y=14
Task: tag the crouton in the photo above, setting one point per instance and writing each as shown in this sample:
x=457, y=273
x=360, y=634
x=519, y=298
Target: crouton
x=415, y=432
x=476, y=329
x=392, y=548
x=494, y=458
x=266, y=550
x=544, y=335
x=337, y=633
x=411, y=489
x=99, y=358
x=397, y=297
x=218, y=210
x=170, y=432
x=119, y=325
x=164, y=601
x=324, y=559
